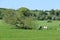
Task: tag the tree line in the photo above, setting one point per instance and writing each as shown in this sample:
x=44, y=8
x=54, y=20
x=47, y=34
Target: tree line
x=25, y=18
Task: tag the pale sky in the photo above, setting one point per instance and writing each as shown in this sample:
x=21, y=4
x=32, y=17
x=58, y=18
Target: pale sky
x=31, y=4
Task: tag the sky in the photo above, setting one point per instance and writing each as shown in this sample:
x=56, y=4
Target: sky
x=31, y=4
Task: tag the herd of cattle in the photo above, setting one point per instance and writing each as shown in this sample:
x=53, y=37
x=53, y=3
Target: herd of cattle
x=42, y=27
x=38, y=28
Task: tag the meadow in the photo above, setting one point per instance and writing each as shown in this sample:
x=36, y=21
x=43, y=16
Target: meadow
x=53, y=32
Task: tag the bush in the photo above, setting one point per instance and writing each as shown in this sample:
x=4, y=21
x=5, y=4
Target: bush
x=49, y=21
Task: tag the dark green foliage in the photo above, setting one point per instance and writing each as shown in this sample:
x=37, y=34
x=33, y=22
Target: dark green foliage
x=49, y=21
x=9, y=17
x=52, y=12
x=24, y=11
x=0, y=15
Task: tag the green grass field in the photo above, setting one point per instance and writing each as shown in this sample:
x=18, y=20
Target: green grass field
x=53, y=33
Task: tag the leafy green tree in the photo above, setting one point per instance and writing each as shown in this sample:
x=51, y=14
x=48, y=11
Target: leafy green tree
x=9, y=17
x=24, y=11
x=1, y=12
x=52, y=12
x=24, y=20
x=0, y=15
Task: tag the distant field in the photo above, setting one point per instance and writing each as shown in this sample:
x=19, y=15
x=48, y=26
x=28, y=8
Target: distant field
x=51, y=25
x=53, y=33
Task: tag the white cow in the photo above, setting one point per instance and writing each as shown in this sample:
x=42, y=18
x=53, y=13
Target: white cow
x=45, y=27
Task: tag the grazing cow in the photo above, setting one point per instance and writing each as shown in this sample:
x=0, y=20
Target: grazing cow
x=40, y=27
x=45, y=27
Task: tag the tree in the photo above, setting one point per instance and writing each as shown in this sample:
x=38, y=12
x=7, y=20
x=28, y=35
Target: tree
x=24, y=20
x=57, y=12
x=0, y=15
x=24, y=11
x=9, y=17
x=1, y=12
x=52, y=12
x=29, y=22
